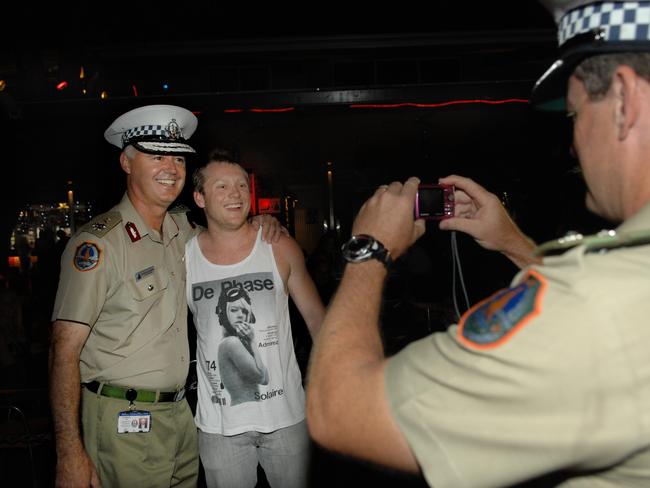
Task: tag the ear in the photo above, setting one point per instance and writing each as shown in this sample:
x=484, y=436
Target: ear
x=199, y=199
x=125, y=162
x=625, y=86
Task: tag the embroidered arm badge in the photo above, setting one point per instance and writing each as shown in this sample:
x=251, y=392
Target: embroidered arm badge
x=495, y=320
x=87, y=256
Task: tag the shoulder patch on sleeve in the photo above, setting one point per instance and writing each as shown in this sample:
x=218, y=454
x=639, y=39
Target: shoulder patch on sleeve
x=102, y=224
x=496, y=319
x=87, y=256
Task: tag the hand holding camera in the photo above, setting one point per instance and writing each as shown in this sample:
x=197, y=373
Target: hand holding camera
x=481, y=214
x=388, y=216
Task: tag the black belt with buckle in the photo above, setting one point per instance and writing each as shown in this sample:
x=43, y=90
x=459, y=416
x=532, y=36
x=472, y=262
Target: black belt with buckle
x=134, y=395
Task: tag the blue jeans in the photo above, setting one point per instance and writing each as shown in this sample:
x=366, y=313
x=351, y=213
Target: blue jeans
x=231, y=461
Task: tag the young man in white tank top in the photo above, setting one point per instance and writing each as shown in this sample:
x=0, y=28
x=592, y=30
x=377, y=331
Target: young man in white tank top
x=250, y=406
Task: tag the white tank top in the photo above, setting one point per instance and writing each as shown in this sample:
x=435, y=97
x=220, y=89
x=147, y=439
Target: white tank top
x=235, y=394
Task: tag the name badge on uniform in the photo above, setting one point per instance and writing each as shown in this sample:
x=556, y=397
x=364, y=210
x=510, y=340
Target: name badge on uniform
x=133, y=421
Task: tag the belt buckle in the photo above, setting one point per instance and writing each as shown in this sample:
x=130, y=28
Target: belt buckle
x=179, y=395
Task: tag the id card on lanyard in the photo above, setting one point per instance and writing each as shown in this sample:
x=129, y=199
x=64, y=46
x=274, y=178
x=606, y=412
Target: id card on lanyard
x=133, y=421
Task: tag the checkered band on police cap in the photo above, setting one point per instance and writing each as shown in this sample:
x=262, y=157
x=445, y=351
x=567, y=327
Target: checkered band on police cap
x=617, y=21
x=145, y=130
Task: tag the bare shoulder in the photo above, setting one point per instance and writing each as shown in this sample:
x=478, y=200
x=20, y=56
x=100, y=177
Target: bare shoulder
x=288, y=256
x=287, y=247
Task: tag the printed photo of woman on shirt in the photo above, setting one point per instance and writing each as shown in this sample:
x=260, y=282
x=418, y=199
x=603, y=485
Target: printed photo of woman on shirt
x=240, y=364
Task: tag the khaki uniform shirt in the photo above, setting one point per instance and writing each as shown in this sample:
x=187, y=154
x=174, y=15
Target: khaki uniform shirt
x=127, y=283
x=550, y=375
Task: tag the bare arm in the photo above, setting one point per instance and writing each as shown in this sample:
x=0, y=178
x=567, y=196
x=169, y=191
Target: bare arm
x=291, y=263
x=258, y=369
x=347, y=408
x=74, y=466
x=480, y=214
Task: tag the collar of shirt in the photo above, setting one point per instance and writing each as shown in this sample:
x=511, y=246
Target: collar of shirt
x=639, y=221
x=130, y=214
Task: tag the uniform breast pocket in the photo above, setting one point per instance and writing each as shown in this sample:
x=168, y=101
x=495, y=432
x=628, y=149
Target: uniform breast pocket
x=149, y=286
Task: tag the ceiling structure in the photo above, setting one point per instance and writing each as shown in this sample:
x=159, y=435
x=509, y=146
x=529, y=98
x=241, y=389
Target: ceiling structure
x=228, y=55
x=283, y=88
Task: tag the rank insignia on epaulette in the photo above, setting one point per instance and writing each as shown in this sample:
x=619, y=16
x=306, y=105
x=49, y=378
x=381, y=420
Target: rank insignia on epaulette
x=496, y=319
x=102, y=224
x=601, y=242
x=87, y=256
x=132, y=230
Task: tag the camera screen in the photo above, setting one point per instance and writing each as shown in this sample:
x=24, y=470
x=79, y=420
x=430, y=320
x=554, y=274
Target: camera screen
x=431, y=202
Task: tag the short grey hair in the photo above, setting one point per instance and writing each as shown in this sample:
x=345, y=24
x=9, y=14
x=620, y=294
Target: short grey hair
x=129, y=151
x=596, y=72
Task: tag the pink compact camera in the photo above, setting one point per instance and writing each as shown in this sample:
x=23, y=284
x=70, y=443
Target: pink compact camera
x=434, y=202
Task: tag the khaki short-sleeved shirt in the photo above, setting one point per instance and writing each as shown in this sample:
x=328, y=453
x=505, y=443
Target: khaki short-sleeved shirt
x=127, y=283
x=552, y=374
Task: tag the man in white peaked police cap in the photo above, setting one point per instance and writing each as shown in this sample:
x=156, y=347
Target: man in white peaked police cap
x=119, y=355
x=546, y=382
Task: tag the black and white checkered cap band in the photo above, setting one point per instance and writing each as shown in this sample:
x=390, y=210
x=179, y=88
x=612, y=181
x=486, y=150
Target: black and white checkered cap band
x=618, y=21
x=147, y=130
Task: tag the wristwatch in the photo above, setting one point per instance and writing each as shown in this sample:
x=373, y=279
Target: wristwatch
x=363, y=247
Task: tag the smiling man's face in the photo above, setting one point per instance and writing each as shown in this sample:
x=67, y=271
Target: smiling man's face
x=154, y=180
x=226, y=195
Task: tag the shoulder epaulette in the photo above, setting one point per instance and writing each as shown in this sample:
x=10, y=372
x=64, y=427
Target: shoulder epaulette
x=177, y=209
x=603, y=241
x=100, y=225
x=183, y=221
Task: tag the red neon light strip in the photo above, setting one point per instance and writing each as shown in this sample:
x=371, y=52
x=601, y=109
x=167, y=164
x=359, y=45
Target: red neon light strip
x=390, y=105
x=441, y=104
x=259, y=110
x=287, y=109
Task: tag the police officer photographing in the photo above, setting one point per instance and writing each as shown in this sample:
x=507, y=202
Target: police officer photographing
x=120, y=321
x=550, y=377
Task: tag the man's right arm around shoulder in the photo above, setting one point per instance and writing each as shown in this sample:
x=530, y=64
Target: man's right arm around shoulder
x=74, y=467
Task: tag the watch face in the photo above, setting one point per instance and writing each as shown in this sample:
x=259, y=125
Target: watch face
x=358, y=243
x=363, y=247
x=358, y=248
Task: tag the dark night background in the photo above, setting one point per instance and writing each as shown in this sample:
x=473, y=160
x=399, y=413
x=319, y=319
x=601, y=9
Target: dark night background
x=224, y=62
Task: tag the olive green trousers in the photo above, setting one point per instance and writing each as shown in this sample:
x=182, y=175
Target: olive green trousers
x=165, y=456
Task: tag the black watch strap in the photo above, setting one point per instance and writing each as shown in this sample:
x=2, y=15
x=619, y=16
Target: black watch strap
x=384, y=257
